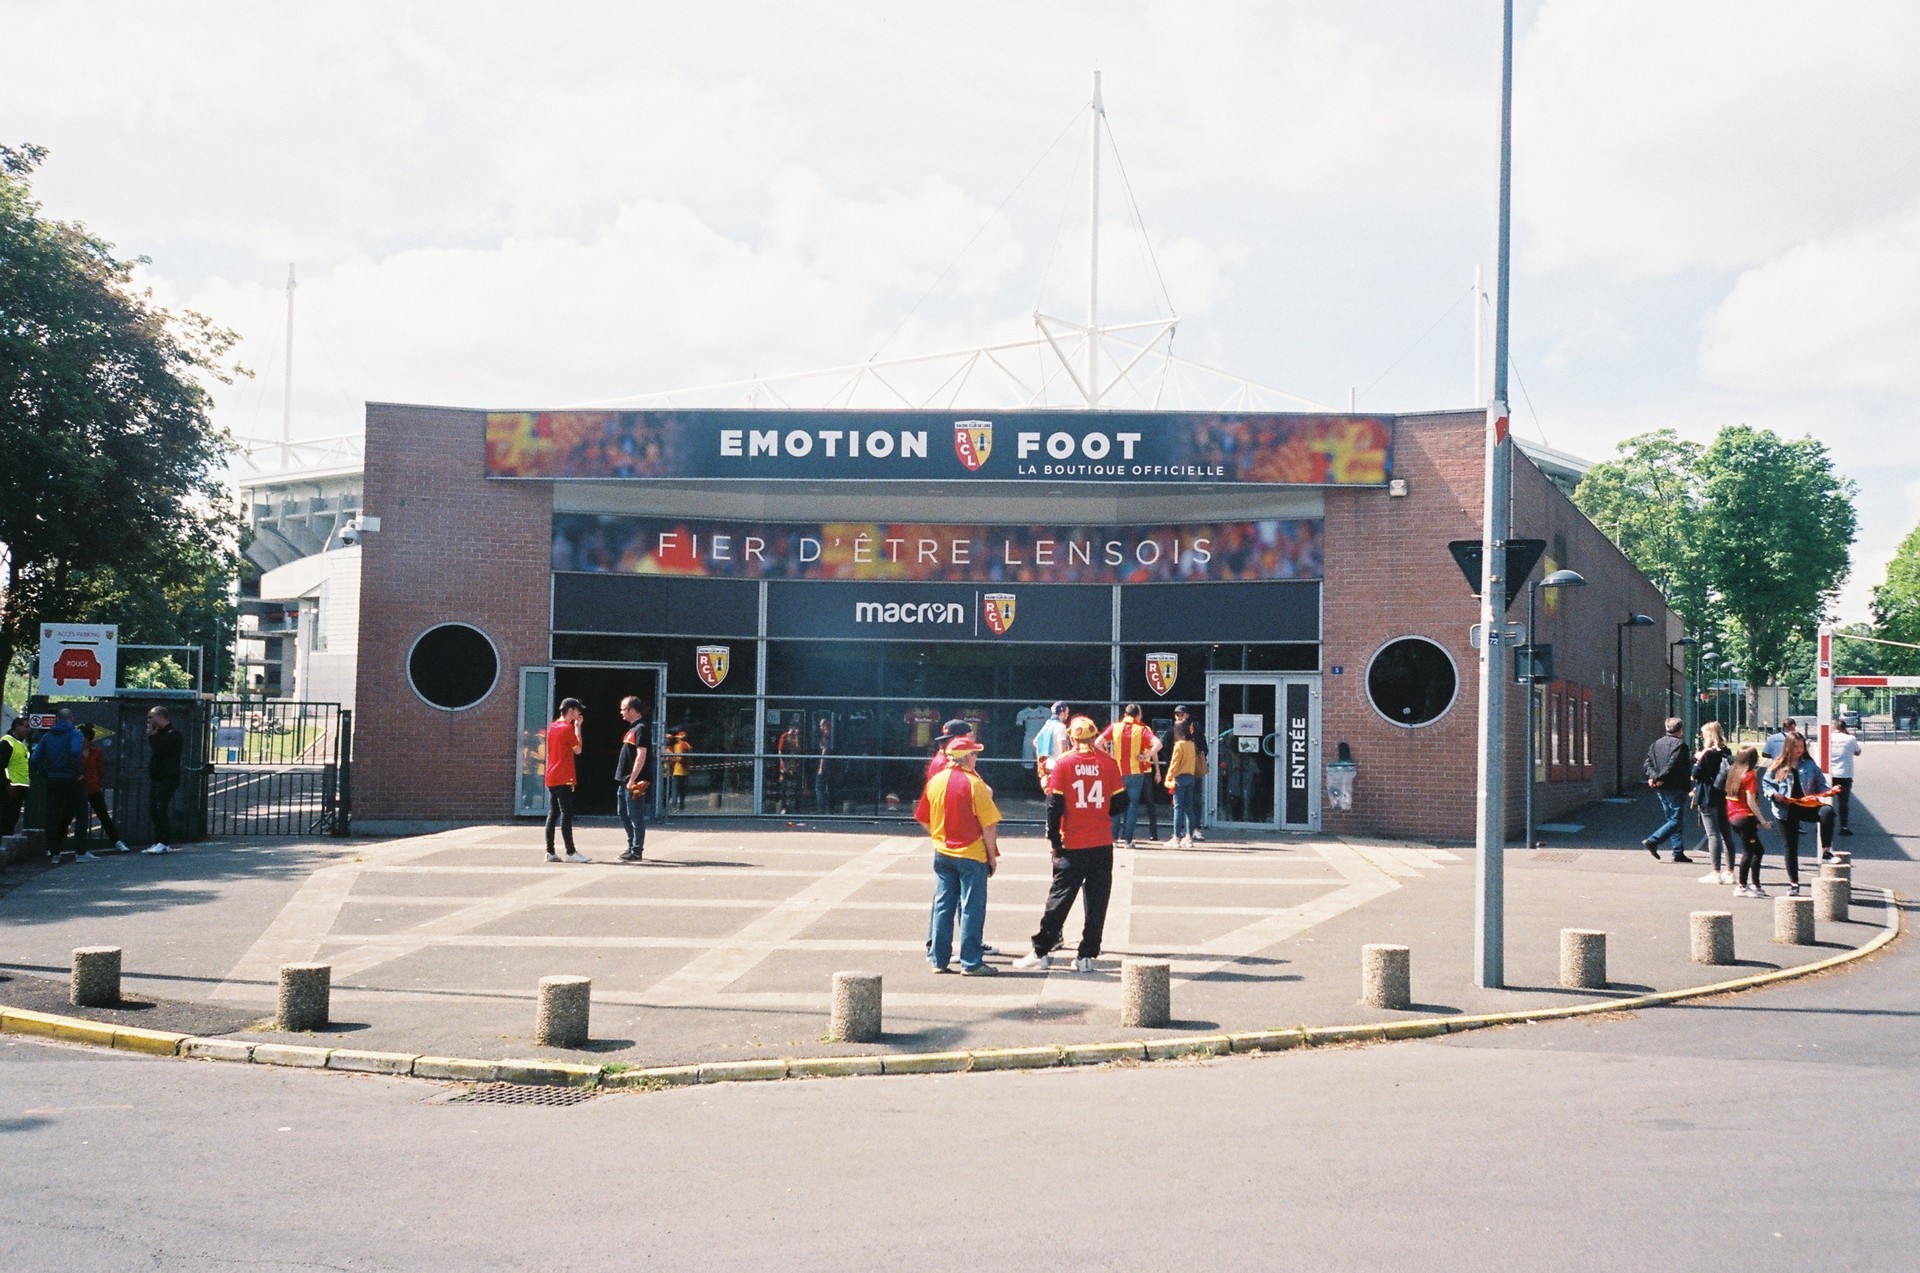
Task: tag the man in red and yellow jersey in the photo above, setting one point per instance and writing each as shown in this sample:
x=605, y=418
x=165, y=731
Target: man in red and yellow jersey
x=1085, y=793
x=958, y=812
x=1133, y=745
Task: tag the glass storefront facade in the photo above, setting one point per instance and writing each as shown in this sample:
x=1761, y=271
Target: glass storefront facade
x=842, y=723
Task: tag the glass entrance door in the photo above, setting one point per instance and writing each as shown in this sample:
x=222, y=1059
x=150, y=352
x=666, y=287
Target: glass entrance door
x=1263, y=751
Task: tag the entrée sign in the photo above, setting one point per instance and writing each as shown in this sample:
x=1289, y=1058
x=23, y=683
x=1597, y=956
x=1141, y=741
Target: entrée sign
x=1147, y=447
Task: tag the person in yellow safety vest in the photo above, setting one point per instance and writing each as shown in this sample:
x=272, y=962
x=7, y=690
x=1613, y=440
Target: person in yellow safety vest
x=14, y=798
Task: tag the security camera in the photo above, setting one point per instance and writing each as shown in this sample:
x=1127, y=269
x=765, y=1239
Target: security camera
x=350, y=533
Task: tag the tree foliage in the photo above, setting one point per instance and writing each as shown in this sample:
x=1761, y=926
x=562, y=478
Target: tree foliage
x=1896, y=609
x=1748, y=537
x=113, y=508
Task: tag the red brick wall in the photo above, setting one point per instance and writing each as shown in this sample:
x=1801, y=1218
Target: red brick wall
x=451, y=547
x=1389, y=575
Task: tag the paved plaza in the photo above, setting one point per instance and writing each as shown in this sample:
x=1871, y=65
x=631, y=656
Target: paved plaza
x=723, y=943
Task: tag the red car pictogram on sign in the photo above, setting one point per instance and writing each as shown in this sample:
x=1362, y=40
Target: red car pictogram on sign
x=77, y=665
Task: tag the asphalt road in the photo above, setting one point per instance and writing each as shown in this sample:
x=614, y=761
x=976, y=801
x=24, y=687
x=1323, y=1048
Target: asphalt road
x=1771, y=1130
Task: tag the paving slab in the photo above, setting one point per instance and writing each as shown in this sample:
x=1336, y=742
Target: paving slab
x=722, y=946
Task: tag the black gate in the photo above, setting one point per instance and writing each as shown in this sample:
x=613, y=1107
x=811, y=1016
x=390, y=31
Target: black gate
x=275, y=767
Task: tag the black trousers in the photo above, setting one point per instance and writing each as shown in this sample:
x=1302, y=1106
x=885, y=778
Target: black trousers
x=97, y=801
x=1746, y=831
x=560, y=813
x=12, y=800
x=1077, y=871
x=1843, y=802
x=1790, y=825
x=66, y=806
x=160, y=793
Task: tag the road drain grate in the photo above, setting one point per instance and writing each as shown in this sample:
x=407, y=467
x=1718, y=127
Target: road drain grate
x=520, y=1094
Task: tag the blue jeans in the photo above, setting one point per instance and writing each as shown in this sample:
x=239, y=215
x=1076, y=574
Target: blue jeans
x=633, y=816
x=1124, y=824
x=958, y=884
x=1183, y=807
x=1675, y=809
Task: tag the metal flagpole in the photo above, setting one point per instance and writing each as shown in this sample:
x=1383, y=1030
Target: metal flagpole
x=286, y=409
x=1093, y=263
x=1490, y=818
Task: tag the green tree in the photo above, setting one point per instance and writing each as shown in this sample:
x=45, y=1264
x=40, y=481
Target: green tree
x=1896, y=610
x=113, y=507
x=1775, y=544
x=1648, y=501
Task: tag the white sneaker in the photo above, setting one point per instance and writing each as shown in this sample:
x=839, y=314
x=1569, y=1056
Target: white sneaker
x=120, y=846
x=1083, y=965
x=1756, y=891
x=158, y=848
x=90, y=857
x=578, y=857
x=1030, y=961
x=1793, y=890
x=1129, y=846
x=1712, y=877
x=1196, y=836
x=553, y=857
x=1726, y=877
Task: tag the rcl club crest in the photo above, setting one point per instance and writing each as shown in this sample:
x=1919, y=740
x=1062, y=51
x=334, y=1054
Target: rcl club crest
x=712, y=661
x=998, y=610
x=973, y=443
x=1163, y=669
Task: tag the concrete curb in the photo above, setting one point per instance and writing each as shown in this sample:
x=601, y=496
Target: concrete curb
x=616, y=1077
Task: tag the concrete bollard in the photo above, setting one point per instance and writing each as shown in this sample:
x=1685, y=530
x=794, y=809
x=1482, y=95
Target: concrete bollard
x=1386, y=976
x=1583, y=958
x=1833, y=898
x=96, y=977
x=304, y=992
x=856, y=1008
x=1146, y=993
x=1712, y=937
x=1793, y=921
x=1836, y=871
x=565, y=1003
x=1843, y=855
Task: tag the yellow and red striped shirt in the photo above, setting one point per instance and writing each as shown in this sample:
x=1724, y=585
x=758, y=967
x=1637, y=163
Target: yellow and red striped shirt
x=956, y=809
x=1130, y=741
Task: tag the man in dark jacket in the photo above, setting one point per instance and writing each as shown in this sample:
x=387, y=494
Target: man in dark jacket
x=1669, y=769
x=56, y=757
x=164, y=745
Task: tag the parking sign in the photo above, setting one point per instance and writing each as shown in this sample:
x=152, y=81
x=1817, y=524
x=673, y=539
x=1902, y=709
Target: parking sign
x=79, y=659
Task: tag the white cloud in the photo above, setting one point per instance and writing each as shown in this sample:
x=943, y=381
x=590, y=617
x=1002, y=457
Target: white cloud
x=1840, y=314
x=1657, y=137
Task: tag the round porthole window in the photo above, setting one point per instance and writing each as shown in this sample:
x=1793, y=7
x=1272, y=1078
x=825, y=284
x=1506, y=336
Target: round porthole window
x=453, y=666
x=1412, y=681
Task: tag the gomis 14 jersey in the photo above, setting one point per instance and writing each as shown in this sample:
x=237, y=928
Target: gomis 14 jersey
x=1088, y=780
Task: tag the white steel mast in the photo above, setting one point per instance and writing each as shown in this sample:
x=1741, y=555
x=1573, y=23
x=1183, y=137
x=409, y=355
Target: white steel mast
x=1093, y=263
x=286, y=408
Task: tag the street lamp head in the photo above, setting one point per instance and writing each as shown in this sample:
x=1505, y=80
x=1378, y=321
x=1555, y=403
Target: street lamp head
x=1638, y=621
x=1564, y=579
x=1688, y=641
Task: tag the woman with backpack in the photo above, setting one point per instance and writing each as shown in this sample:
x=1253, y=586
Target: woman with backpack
x=1744, y=818
x=1710, y=799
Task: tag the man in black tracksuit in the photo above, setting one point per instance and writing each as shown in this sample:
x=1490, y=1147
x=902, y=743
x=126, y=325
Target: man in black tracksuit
x=1669, y=770
x=164, y=745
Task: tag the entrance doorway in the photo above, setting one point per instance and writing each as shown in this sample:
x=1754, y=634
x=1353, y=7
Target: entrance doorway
x=600, y=687
x=1265, y=749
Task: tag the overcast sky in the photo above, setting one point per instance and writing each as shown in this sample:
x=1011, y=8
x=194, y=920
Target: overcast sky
x=1717, y=201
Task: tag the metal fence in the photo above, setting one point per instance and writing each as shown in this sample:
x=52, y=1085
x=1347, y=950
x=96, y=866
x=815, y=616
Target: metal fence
x=275, y=767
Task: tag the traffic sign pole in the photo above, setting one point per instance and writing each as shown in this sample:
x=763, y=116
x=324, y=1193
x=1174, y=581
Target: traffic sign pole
x=1490, y=812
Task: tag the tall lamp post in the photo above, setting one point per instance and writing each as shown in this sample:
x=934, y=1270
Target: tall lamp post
x=1671, y=647
x=1620, y=696
x=1558, y=579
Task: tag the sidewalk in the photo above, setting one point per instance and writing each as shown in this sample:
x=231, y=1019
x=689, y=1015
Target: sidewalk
x=722, y=945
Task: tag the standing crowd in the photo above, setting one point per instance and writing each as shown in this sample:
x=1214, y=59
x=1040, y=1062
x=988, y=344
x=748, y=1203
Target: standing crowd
x=1737, y=795
x=72, y=767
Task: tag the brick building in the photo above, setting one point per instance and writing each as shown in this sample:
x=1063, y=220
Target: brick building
x=804, y=596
